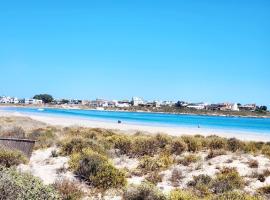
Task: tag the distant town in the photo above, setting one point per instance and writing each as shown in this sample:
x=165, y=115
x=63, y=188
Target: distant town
x=139, y=104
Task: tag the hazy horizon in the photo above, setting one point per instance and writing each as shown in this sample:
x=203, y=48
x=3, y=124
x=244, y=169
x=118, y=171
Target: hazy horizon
x=175, y=50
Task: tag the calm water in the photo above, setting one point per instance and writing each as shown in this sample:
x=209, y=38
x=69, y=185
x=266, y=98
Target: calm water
x=230, y=123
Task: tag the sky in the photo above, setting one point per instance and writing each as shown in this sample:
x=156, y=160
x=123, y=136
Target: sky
x=196, y=50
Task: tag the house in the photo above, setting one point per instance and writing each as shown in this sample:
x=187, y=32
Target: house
x=136, y=101
x=33, y=101
x=248, y=107
x=197, y=106
x=123, y=104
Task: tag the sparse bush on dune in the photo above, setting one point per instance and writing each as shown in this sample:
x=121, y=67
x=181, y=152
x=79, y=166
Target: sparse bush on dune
x=162, y=140
x=266, y=150
x=188, y=159
x=201, y=184
x=10, y=158
x=215, y=142
x=234, y=144
x=226, y=180
x=150, y=164
x=178, y=146
x=264, y=191
x=68, y=190
x=176, y=177
x=19, y=186
x=193, y=143
x=96, y=170
x=45, y=137
x=154, y=177
x=215, y=153
x=251, y=147
x=14, y=132
x=236, y=195
x=144, y=191
x=121, y=142
x=182, y=195
x=144, y=145
x=77, y=144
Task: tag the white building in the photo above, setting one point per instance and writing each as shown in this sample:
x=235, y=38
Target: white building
x=137, y=101
x=235, y=107
x=197, y=106
x=33, y=101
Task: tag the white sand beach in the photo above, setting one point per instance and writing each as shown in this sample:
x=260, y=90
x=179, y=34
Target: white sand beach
x=132, y=128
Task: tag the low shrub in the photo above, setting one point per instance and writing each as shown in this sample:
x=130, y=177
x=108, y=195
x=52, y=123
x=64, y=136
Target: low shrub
x=77, y=144
x=250, y=147
x=68, y=190
x=176, y=177
x=144, y=145
x=96, y=170
x=264, y=190
x=178, y=146
x=201, y=184
x=215, y=142
x=253, y=163
x=154, y=177
x=182, y=195
x=148, y=164
x=236, y=195
x=45, y=137
x=234, y=144
x=122, y=143
x=144, y=191
x=162, y=140
x=226, y=180
x=14, y=132
x=266, y=150
x=10, y=158
x=215, y=153
x=193, y=143
x=188, y=159
x=15, y=185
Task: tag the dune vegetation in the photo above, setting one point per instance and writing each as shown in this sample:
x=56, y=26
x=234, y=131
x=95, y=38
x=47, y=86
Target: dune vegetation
x=109, y=164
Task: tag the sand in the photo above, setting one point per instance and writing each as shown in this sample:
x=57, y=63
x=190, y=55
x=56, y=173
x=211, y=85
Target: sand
x=132, y=128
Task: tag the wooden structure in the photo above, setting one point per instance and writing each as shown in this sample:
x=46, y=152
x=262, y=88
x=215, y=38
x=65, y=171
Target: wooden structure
x=24, y=145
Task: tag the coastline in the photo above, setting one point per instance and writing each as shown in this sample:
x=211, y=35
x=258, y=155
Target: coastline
x=133, y=128
x=75, y=107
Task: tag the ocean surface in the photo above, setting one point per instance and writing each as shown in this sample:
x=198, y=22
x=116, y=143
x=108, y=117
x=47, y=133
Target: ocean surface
x=260, y=125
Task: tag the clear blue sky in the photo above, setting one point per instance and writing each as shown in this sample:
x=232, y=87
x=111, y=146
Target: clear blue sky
x=193, y=50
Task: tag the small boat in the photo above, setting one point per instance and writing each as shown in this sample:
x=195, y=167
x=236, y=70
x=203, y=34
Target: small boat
x=41, y=109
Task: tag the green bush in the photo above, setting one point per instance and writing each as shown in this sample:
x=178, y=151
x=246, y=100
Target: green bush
x=14, y=132
x=182, y=195
x=95, y=169
x=226, y=180
x=10, y=158
x=215, y=153
x=68, y=190
x=15, y=185
x=144, y=191
x=178, y=146
x=193, y=143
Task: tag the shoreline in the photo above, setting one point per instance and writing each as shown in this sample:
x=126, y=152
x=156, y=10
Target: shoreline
x=133, y=128
x=135, y=111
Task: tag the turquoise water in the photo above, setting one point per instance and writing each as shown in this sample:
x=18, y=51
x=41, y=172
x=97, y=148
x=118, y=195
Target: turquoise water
x=261, y=125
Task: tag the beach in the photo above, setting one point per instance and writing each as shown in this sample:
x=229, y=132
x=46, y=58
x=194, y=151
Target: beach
x=132, y=128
